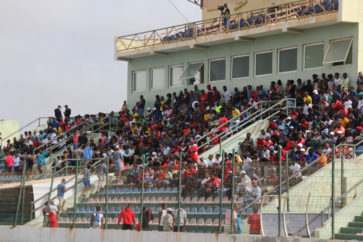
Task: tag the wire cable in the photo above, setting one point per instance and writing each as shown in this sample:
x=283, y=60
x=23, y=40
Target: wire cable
x=178, y=11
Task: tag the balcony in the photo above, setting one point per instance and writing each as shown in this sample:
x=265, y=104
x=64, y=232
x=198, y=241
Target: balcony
x=293, y=17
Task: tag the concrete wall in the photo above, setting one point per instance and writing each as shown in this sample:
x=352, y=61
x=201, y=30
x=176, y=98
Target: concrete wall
x=7, y=127
x=31, y=234
x=275, y=42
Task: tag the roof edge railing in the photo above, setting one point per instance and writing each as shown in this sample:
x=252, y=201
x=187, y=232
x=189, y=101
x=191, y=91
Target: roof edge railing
x=252, y=18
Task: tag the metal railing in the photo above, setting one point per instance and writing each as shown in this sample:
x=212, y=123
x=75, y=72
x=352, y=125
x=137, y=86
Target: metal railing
x=264, y=109
x=38, y=120
x=244, y=20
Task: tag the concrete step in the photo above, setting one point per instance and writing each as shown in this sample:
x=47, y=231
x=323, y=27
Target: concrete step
x=358, y=219
x=356, y=224
x=351, y=230
x=348, y=237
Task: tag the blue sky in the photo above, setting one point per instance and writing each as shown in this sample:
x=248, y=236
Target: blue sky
x=61, y=52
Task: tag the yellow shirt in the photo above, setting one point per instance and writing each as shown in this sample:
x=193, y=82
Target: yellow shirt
x=308, y=98
x=344, y=122
x=135, y=115
x=236, y=112
x=238, y=159
x=206, y=117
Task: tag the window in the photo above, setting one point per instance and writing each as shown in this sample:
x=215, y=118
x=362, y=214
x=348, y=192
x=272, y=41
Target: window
x=263, y=63
x=175, y=73
x=288, y=60
x=338, y=51
x=313, y=56
x=157, y=78
x=139, y=81
x=217, y=70
x=194, y=73
x=240, y=66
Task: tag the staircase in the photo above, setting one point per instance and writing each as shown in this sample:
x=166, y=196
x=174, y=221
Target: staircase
x=352, y=230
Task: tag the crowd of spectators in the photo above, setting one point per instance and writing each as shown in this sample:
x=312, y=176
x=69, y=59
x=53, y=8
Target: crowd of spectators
x=328, y=112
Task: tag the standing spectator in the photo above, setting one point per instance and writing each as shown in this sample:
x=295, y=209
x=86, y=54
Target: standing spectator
x=168, y=221
x=101, y=170
x=17, y=162
x=147, y=216
x=61, y=189
x=29, y=159
x=41, y=159
x=58, y=113
x=254, y=222
x=87, y=152
x=183, y=219
x=86, y=180
x=226, y=94
x=227, y=220
x=97, y=219
x=360, y=79
x=161, y=216
x=9, y=161
x=117, y=158
x=128, y=217
x=141, y=106
x=75, y=137
x=67, y=112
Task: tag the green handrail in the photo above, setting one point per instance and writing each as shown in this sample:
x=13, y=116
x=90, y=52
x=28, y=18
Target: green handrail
x=251, y=118
x=221, y=194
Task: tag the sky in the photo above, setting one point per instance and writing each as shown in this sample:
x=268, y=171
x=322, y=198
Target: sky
x=62, y=52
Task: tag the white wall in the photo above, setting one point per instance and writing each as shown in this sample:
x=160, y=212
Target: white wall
x=30, y=234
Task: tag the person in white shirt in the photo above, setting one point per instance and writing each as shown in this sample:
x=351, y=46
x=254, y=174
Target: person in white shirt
x=296, y=169
x=306, y=107
x=244, y=186
x=337, y=80
x=227, y=94
x=203, y=162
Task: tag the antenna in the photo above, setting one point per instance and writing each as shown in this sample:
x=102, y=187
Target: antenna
x=177, y=9
x=197, y=2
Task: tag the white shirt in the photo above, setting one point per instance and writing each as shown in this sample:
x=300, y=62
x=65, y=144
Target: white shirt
x=348, y=104
x=53, y=138
x=227, y=95
x=16, y=161
x=337, y=81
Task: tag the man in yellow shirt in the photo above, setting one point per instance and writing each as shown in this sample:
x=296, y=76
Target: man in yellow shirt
x=307, y=98
x=322, y=159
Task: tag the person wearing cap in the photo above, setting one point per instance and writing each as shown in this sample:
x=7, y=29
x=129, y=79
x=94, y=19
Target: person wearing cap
x=244, y=186
x=168, y=222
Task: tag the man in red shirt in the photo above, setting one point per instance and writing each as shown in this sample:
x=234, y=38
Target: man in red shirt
x=221, y=121
x=254, y=222
x=128, y=217
x=193, y=150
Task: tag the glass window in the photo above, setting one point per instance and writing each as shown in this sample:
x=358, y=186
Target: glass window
x=288, y=60
x=191, y=70
x=263, y=63
x=139, y=81
x=217, y=70
x=175, y=73
x=338, y=51
x=313, y=56
x=240, y=66
x=157, y=78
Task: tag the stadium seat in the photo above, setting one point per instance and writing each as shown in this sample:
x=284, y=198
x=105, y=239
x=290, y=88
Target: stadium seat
x=208, y=222
x=193, y=221
x=209, y=210
x=186, y=200
x=200, y=221
x=120, y=200
x=201, y=210
x=194, y=210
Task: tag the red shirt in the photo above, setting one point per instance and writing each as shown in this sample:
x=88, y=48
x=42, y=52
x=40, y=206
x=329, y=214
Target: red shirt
x=52, y=220
x=337, y=105
x=255, y=223
x=127, y=215
x=9, y=161
x=222, y=121
x=216, y=182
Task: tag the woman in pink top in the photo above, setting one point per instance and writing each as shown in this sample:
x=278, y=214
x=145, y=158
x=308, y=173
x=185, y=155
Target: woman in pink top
x=9, y=162
x=75, y=140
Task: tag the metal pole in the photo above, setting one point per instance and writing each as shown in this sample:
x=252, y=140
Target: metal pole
x=106, y=215
x=179, y=189
x=51, y=183
x=341, y=176
x=333, y=195
x=221, y=196
x=19, y=198
x=287, y=181
x=24, y=178
x=232, y=189
x=280, y=191
x=142, y=190
x=75, y=194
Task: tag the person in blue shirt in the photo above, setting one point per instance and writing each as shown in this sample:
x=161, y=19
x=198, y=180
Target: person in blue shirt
x=41, y=160
x=61, y=189
x=87, y=152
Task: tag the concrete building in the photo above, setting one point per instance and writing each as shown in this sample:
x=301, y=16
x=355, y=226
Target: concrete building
x=267, y=40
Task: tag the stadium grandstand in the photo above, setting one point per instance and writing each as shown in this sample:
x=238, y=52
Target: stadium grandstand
x=246, y=122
